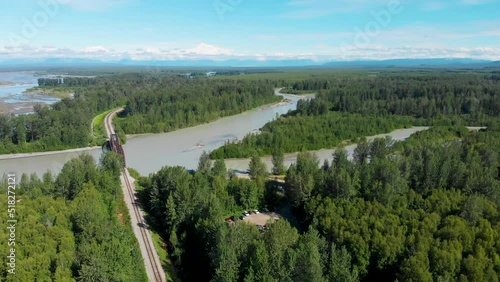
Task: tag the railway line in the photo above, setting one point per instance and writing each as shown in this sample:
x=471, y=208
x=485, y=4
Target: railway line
x=151, y=260
x=155, y=265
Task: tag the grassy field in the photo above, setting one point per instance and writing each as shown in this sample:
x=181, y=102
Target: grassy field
x=98, y=130
x=98, y=124
x=52, y=91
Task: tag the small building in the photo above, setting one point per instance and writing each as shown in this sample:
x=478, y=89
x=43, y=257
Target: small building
x=211, y=73
x=186, y=75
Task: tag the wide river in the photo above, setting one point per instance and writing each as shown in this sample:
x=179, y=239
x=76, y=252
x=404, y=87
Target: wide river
x=149, y=153
x=12, y=97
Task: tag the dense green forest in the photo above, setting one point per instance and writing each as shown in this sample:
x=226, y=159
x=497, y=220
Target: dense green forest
x=347, y=107
x=175, y=103
x=154, y=103
x=68, y=81
x=309, y=132
x=425, y=209
x=73, y=226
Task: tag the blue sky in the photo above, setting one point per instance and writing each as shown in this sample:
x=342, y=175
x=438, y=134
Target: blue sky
x=320, y=30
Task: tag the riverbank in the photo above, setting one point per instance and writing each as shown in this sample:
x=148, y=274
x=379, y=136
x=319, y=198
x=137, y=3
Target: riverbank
x=240, y=165
x=28, y=108
x=284, y=102
x=19, y=108
x=299, y=95
x=277, y=91
x=279, y=104
x=49, y=92
x=39, y=154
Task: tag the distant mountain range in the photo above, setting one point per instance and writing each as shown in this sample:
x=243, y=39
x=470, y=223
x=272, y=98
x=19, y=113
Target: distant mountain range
x=61, y=62
x=411, y=63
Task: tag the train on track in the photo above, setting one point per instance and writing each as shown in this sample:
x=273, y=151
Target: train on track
x=117, y=147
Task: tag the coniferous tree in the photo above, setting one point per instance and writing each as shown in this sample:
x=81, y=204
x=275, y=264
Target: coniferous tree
x=278, y=162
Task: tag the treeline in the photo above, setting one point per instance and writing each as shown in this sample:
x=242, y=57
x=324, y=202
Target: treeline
x=425, y=209
x=73, y=226
x=347, y=107
x=49, y=81
x=188, y=210
x=474, y=97
x=186, y=103
x=154, y=103
x=79, y=81
x=67, y=81
x=296, y=133
x=66, y=125
x=310, y=85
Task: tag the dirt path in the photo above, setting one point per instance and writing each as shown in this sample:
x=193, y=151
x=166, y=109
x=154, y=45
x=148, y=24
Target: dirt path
x=38, y=154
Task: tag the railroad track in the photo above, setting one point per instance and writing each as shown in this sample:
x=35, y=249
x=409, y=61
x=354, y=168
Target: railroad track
x=109, y=124
x=151, y=252
x=153, y=266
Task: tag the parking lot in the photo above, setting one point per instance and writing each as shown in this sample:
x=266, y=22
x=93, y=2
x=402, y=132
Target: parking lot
x=261, y=218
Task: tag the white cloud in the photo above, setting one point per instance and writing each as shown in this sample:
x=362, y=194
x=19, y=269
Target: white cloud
x=203, y=51
x=207, y=49
x=380, y=52
x=95, y=49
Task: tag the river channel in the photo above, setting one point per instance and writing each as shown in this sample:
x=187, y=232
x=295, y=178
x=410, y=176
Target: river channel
x=149, y=153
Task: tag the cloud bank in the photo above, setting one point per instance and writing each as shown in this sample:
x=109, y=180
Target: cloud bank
x=204, y=51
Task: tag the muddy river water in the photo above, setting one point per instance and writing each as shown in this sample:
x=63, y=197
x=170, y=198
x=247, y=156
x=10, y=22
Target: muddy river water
x=149, y=153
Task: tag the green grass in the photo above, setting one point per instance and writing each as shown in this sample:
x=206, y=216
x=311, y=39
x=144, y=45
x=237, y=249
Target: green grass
x=99, y=129
x=99, y=132
x=122, y=213
x=52, y=91
x=166, y=263
x=134, y=173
